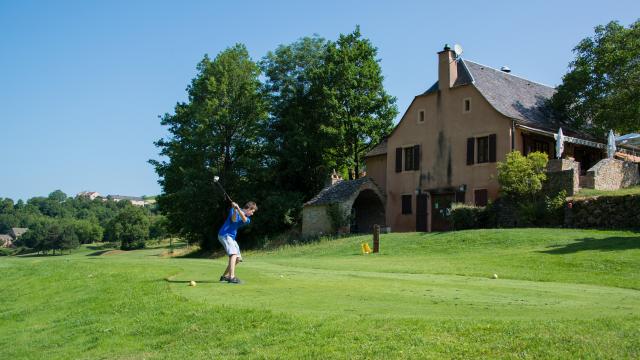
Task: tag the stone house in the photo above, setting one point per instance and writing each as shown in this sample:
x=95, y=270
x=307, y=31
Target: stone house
x=361, y=201
x=91, y=195
x=137, y=201
x=447, y=143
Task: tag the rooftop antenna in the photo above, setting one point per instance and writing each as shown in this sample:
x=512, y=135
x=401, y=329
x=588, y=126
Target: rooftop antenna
x=457, y=49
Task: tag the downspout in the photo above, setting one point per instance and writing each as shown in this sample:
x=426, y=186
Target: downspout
x=513, y=135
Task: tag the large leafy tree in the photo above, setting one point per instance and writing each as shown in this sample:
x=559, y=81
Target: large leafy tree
x=350, y=83
x=130, y=228
x=217, y=132
x=297, y=140
x=601, y=91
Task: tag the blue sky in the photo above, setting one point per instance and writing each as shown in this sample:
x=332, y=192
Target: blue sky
x=82, y=82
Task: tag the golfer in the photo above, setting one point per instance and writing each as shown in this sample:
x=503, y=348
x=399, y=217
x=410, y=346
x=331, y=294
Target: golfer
x=227, y=237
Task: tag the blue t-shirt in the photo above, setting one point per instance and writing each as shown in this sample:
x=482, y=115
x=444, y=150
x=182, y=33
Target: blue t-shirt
x=231, y=227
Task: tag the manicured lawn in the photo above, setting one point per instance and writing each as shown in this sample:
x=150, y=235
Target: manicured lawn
x=560, y=294
x=634, y=190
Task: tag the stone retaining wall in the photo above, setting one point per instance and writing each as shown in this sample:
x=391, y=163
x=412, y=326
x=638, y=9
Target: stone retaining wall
x=603, y=212
x=613, y=174
x=563, y=174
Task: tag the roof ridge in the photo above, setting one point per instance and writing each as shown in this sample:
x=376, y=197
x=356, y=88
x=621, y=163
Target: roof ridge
x=505, y=73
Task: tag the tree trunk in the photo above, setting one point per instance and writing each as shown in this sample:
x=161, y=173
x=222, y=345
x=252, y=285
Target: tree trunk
x=356, y=160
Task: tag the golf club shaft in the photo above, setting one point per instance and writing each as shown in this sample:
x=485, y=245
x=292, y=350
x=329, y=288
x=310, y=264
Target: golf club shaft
x=224, y=192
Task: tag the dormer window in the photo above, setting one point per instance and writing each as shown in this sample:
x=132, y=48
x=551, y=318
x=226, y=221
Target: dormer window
x=466, y=105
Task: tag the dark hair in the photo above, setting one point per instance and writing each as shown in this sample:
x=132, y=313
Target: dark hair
x=251, y=205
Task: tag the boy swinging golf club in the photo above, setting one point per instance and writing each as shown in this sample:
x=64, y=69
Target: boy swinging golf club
x=227, y=235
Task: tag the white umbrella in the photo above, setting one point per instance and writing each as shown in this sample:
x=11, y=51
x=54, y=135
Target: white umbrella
x=559, y=144
x=611, y=145
x=632, y=139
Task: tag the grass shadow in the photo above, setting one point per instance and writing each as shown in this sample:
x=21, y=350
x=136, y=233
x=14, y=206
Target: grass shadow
x=98, y=253
x=188, y=281
x=607, y=244
x=30, y=255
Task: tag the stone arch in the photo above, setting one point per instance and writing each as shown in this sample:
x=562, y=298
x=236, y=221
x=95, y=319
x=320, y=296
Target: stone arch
x=367, y=210
x=367, y=207
x=361, y=197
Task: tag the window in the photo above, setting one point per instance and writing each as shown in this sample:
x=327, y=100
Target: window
x=406, y=204
x=411, y=158
x=408, y=158
x=483, y=149
x=486, y=149
x=541, y=146
x=421, y=116
x=466, y=105
x=481, y=197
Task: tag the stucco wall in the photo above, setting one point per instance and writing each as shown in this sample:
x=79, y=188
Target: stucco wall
x=377, y=170
x=443, y=141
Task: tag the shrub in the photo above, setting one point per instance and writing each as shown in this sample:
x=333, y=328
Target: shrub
x=554, y=209
x=521, y=176
x=338, y=217
x=472, y=217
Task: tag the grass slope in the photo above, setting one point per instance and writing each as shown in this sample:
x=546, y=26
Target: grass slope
x=561, y=294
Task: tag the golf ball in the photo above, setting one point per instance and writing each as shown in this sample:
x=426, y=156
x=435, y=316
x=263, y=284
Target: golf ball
x=192, y=283
x=495, y=276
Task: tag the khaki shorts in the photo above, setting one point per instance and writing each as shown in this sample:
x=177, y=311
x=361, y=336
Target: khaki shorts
x=230, y=245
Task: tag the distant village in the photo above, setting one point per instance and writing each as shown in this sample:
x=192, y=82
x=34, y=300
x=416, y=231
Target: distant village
x=7, y=240
x=137, y=201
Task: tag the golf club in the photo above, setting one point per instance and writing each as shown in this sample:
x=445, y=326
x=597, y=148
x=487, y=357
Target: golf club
x=216, y=180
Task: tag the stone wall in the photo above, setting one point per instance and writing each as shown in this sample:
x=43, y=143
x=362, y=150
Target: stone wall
x=563, y=174
x=613, y=174
x=315, y=220
x=604, y=212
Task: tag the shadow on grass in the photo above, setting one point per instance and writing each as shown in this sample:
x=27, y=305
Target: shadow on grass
x=30, y=255
x=197, y=281
x=607, y=244
x=98, y=253
x=104, y=246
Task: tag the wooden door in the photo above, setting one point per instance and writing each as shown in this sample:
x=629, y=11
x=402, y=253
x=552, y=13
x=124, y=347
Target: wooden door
x=421, y=212
x=441, y=211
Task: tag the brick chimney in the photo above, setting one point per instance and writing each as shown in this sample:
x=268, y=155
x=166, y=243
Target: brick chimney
x=447, y=68
x=334, y=178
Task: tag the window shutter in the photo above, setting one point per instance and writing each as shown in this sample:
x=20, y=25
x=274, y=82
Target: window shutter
x=471, y=144
x=416, y=157
x=492, y=148
x=398, y=160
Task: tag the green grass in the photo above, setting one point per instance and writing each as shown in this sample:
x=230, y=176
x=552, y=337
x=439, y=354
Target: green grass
x=633, y=190
x=560, y=294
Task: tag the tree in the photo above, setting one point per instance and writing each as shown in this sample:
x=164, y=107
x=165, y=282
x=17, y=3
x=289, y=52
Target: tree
x=158, y=227
x=354, y=99
x=601, y=91
x=298, y=143
x=58, y=196
x=522, y=177
x=130, y=228
x=68, y=239
x=217, y=132
x=87, y=231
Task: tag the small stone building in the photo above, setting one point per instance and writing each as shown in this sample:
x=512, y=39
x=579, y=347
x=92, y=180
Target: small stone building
x=6, y=241
x=17, y=232
x=359, y=199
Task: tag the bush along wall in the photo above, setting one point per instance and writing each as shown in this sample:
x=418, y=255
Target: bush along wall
x=604, y=212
